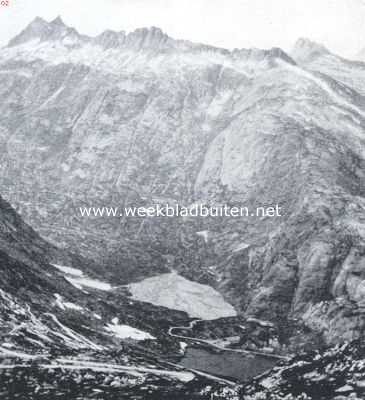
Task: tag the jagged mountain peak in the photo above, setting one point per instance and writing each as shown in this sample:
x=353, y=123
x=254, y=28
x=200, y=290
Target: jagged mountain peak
x=305, y=49
x=43, y=30
x=37, y=21
x=109, y=39
x=58, y=23
x=308, y=44
x=149, y=31
x=259, y=55
x=37, y=27
x=146, y=38
x=153, y=38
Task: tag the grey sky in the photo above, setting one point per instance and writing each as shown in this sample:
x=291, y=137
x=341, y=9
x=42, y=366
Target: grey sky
x=339, y=24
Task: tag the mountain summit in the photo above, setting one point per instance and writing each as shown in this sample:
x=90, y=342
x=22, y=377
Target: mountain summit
x=151, y=40
x=57, y=30
x=43, y=30
x=305, y=49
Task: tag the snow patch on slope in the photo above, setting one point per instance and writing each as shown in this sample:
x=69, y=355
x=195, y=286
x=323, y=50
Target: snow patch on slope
x=91, y=283
x=173, y=291
x=69, y=270
x=63, y=305
x=77, y=278
x=127, y=332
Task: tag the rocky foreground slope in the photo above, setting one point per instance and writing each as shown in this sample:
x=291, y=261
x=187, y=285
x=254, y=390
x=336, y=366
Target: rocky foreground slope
x=89, y=343
x=66, y=335
x=141, y=118
x=335, y=374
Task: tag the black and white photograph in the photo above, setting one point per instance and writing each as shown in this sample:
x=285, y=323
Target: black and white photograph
x=182, y=200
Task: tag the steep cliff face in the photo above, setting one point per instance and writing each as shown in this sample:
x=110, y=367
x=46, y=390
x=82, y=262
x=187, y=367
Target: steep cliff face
x=298, y=143
x=128, y=118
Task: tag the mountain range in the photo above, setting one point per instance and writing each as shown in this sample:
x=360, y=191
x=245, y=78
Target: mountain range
x=141, y=118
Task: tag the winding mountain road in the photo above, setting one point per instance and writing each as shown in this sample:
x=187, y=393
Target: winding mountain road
x=207, y=342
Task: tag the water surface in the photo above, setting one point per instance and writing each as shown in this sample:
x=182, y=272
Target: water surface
x=228, y=364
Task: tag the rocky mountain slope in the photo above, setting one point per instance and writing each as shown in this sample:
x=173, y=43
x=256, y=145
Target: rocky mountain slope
x=67, y=346
x=141, y=118
x=335, y=374
x=66, y=334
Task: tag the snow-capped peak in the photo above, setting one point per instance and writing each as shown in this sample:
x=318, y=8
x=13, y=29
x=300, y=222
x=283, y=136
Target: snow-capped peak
x=305, y=49
x=37, y=28
x=44, y=31
x=110, y=39
x=152, y=38
x=58, y=21
x=307, y=44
